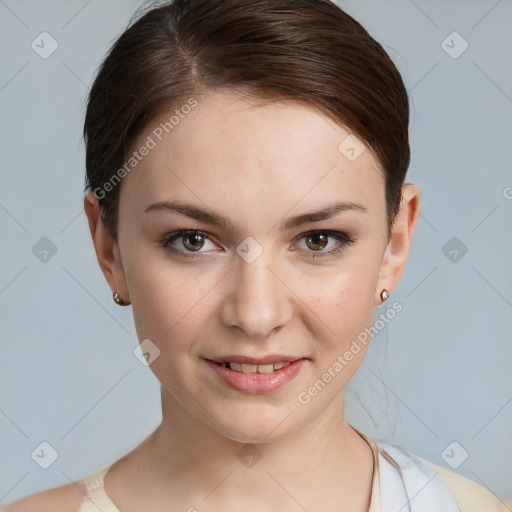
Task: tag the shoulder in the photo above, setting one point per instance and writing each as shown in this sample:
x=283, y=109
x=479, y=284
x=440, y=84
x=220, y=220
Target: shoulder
x=66, y=498
x=470, y=496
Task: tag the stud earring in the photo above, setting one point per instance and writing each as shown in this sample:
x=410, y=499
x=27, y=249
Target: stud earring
x=119, y=301
x=384, y=294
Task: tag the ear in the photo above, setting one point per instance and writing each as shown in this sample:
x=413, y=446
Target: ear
x=107, y=250
x=396, y=253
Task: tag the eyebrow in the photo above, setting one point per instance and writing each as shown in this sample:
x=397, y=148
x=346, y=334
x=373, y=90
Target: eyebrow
x=210, y=217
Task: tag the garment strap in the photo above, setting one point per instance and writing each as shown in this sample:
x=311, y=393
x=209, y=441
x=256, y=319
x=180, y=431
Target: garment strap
x=408, y=484
x=94, y=486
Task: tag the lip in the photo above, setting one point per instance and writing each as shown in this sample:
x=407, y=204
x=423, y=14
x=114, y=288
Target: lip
x=256, y=383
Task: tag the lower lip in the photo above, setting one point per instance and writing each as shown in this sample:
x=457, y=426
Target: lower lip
x=257, y=382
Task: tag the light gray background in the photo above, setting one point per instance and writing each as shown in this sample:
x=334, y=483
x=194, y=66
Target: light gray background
x=441, y=371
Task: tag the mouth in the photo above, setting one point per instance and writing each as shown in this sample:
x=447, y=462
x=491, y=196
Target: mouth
x=256, y=375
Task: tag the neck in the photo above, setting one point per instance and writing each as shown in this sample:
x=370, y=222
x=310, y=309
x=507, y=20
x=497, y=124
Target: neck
x=325, y=454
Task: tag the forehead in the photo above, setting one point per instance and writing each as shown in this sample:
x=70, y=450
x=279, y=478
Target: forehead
x=232, y=147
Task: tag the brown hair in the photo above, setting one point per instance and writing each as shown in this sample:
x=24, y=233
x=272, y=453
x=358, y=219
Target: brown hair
x=307, y=51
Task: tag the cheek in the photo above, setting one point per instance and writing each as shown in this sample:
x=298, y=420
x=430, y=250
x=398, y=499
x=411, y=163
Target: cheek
x=343, y=303
x=169, y=303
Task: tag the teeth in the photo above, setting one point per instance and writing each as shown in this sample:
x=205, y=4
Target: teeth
x=265, y=368
x=255, y=368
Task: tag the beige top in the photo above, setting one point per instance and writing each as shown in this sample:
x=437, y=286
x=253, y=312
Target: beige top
x=470, y=496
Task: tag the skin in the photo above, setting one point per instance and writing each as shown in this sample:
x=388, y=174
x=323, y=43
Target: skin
x=256, y=165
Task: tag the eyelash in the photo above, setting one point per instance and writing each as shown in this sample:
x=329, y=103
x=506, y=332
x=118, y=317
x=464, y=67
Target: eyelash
x=343, y=238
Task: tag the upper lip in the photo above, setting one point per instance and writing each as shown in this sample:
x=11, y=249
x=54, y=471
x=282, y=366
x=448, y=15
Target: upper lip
x=272, y=358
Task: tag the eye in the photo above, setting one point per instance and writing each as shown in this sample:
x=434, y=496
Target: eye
x=319, y=240
x=191, y=241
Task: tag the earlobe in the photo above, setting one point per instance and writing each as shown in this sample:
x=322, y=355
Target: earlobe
x=397, y=250
x=106, y=248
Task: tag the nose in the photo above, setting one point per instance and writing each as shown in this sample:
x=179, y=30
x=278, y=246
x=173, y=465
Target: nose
x=258, y=301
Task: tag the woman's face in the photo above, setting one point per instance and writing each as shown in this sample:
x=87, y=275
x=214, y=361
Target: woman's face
x=260, y=279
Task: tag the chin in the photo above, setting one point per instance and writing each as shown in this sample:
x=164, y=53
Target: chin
x=260, y=425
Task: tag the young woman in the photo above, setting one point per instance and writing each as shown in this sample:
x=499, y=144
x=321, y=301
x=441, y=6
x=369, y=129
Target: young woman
x=245, y=165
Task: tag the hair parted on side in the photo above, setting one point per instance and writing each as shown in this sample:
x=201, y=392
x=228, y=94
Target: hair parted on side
x=306, y=51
